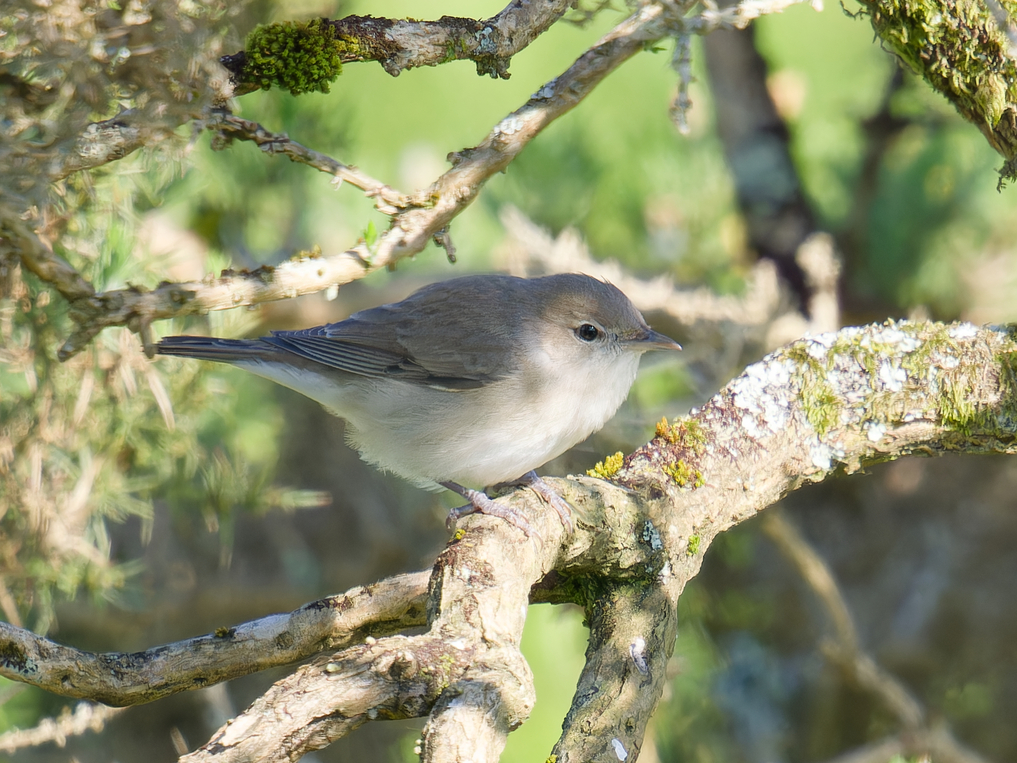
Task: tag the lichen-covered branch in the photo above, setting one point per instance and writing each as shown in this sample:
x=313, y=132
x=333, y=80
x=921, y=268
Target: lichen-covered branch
x=308, y=56
x=467, y=668
x=836, y=401
x=960, y=49
x=490, y=43
x=820, y=406
x=632, y=634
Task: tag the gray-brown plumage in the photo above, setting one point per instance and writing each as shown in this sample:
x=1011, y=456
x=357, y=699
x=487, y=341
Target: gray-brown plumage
x=476, y=380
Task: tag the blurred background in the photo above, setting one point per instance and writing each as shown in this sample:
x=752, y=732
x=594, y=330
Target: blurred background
x=188, y=493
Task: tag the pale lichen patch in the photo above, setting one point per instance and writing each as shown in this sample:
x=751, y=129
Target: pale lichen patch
x=869, y=379
x=892, y=376
x=821, y=456
x=963, y=331
x=761, y=393
x=875, y=431
x=846, y=398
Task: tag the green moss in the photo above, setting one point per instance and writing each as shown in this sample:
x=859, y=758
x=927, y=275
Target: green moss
x=955, y=406
x=694, y=543
x=299, y=57
x=455, y=49
x=1007, y=364
x=684, y=475
x=957, y=410
x=955, y=46
x=822, y=408
x=314, y=253
x=607, y=468
x=351, y=47
x=685, y=433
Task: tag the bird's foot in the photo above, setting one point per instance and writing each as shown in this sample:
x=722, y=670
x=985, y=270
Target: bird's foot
x=481, y=503
x=545, y=491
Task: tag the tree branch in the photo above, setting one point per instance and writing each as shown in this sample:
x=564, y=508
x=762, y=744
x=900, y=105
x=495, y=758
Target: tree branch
x=120, y=679
x=490, y=43
x=388, y=200
x=87, y=716
x=399, y=44
x=831, y=403
x=632, y=635
x=934, y=40
x=756, y=440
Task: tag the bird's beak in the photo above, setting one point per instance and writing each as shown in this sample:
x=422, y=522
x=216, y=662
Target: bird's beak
x=653, y=340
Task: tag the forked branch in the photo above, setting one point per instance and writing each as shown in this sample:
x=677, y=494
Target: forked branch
x=831, y=403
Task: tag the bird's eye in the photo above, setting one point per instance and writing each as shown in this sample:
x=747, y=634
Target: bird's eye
x=588, y=332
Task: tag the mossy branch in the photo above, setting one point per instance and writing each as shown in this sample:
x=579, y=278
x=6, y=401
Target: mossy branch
x=959, y=48
x=307, y=57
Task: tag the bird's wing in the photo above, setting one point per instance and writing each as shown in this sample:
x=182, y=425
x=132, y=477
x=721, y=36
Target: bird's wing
x=431, y=338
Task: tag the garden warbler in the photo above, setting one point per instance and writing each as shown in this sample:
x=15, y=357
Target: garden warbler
x=476, y=380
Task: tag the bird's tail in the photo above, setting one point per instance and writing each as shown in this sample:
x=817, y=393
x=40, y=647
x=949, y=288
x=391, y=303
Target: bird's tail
x=220, y=350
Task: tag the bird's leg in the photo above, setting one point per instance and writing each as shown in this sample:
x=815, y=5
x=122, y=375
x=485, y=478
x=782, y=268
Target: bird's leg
x=481, y=503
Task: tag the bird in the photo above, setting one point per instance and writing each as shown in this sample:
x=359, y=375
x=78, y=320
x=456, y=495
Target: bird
x=473, y=381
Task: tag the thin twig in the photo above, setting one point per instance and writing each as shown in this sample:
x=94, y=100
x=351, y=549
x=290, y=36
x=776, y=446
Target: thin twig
x=387, y=199
x=87, y=716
